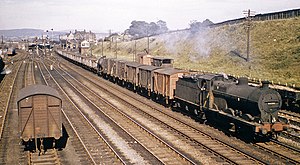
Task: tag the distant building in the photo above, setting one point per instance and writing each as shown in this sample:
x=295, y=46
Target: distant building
x=73, y=40
x=84, y=47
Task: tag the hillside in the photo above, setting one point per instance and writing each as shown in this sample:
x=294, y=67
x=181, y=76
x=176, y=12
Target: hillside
x=21, y=32
x=274, y=50
x=18, y=34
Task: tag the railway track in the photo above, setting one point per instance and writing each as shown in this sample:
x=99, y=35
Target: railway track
x=139, y=110
x=50, y=158
x=154, y=144
x=287, y=153
x=294, y=120
x=29, y=77
x=219, y=150
x=139, y=133
x=12, y=152
x=292, y=117
x=90, y=144
x=39, y=76
x=6, y=89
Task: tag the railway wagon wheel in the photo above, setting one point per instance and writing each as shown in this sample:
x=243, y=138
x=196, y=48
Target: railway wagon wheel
x=167, y=101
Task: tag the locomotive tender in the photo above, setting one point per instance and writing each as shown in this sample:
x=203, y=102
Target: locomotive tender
x=40, y=118
x=225, y=101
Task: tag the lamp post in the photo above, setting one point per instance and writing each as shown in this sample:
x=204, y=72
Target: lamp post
x=46, y=40
x=52, y=35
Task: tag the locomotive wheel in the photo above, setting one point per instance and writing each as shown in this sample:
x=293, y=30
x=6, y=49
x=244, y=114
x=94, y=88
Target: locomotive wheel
x=248, y=117
x=53, y=144
x=232, y=128
x=230, y=111
x=275, y=136
x=215, y=106
x=186, y=108
x=167, y=101
x=196, y=112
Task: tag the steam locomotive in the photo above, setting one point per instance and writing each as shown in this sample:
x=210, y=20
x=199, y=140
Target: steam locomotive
x=230, y=103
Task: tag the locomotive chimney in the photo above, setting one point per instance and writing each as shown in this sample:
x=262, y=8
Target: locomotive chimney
x=243, y=81
x=265, y=84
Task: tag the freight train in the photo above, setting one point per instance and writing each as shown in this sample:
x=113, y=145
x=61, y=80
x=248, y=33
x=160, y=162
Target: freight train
x=40, y=118
x=220, y=99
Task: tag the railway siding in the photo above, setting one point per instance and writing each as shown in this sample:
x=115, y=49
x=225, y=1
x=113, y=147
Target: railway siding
x=151, y=142
x=162, y=130
x=77, y=71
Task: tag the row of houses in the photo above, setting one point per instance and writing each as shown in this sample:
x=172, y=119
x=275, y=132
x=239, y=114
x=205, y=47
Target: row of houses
x=73, y=40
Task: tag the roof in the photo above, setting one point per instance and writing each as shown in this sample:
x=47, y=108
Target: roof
x=170, y=71
x=37, y=90
x=148, y=67
x=133, y=64
x=161, y=58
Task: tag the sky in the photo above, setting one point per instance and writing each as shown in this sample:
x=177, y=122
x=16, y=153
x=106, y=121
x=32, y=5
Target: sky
x=117, y=15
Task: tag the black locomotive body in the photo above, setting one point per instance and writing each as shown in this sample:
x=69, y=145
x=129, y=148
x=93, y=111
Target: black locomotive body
x=230, y=102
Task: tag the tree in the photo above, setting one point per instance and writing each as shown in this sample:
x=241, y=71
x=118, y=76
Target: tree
x=138, y=28
x=197, y=26
x=142, y=29
x=162, y=26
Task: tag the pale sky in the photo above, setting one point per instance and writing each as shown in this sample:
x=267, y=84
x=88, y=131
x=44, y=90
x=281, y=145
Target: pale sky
x=103, y=15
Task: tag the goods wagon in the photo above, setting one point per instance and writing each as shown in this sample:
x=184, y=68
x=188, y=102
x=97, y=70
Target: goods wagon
x=132, y=70
x=89, y=63
x=105, y=66
x=121, y=70
x=145, y=80
x=143, y=58
x=162, y=62
x=117, y=70
x=39, y=116
x=165, y=83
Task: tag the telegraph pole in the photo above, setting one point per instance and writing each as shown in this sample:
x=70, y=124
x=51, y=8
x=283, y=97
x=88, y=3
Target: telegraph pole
x=148, y=48
x=110, y=39
x=116, y=47
x=134, y=54
x=248, y=15
x=102, y=47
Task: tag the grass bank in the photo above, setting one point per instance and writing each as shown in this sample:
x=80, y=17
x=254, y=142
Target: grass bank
x=274, y=50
